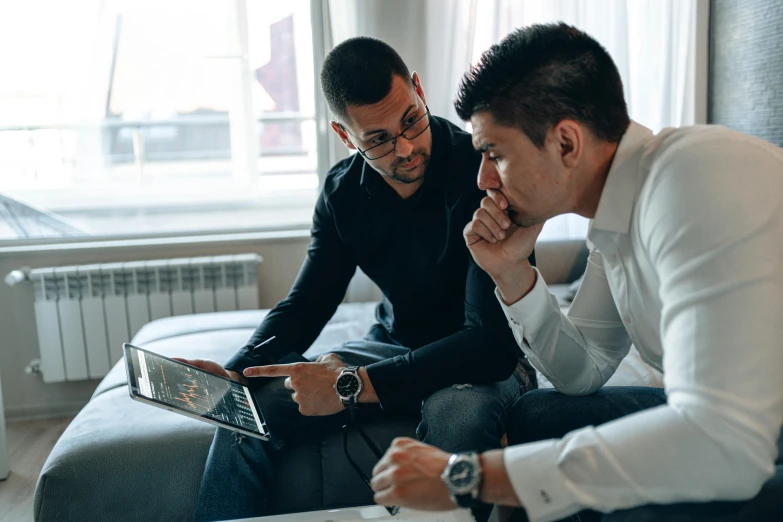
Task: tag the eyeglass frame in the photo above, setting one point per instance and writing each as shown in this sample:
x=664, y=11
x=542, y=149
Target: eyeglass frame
x=393, y=510
x=426, y=114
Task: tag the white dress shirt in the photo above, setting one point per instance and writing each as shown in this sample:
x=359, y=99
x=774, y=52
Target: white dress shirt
x=686, y=262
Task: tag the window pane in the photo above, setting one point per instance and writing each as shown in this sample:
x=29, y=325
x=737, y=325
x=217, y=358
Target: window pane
x=153, y=117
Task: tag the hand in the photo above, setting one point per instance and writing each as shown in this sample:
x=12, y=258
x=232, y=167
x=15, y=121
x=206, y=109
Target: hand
x=409, y=475
x=312, y=384
x=501, y=248
x=213, y=367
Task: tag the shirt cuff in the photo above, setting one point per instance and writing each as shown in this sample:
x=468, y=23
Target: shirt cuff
x=386, y=377
x=241, y=360
x=529, y=312
x=537, y=481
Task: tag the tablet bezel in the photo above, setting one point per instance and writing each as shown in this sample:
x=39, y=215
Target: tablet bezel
x=136, y=395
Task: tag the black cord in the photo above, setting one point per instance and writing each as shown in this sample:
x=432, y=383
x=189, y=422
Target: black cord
x=371, y=443
x=393, y=510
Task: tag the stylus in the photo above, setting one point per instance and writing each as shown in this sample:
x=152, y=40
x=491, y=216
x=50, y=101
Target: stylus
x=256, y=347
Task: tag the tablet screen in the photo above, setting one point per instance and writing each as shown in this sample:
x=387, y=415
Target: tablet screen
x=192, y=390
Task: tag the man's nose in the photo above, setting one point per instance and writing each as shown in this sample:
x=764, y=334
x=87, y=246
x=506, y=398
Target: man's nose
x=404, y=147
x=487, y=176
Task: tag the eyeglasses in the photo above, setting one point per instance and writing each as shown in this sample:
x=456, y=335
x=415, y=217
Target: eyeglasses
x=393, y=510
x=386, y=147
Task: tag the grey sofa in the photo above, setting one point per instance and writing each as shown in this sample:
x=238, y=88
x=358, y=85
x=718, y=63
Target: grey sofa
x=120, y=460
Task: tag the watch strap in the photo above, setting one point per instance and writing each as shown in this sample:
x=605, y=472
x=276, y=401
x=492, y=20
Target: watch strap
x=465, y=501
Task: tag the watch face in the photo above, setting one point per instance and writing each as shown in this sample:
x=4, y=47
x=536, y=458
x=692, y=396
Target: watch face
x=347, y=385
x=462, y=474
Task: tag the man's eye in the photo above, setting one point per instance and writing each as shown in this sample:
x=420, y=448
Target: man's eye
x=410, y=121
x=493, y=158
x=379, y=139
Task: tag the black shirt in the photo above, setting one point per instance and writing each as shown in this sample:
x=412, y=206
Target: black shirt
x=437, y=302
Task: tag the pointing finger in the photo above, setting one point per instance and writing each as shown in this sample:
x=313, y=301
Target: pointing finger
x=273, y=370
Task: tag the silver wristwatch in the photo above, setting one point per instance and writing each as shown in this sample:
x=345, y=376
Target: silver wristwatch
x=462, y=477
x=349, y=385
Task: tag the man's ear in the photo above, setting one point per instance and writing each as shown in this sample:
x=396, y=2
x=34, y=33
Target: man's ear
x=417, y=86
x=569, y=136
x=338, y=128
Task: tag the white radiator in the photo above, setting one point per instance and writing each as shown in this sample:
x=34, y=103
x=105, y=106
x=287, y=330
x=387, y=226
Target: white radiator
x=84, y=313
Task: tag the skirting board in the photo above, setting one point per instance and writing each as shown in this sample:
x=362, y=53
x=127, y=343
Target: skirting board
x=44, y=411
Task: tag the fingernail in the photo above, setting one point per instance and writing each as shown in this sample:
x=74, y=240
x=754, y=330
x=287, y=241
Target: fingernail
x=506, y=224
x=247, y=373
x=501, y=235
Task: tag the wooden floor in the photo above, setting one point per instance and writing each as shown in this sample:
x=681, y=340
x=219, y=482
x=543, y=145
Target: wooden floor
x=29, y=443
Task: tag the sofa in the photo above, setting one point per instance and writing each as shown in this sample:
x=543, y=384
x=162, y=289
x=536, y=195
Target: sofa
x=120, y=460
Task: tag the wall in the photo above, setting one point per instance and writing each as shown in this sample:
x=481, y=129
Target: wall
x=746, y=67
x=27, y=395
x=400, y=23
x=414, y=29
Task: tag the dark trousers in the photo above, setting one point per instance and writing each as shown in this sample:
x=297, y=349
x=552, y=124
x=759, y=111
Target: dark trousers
x=547, y=414
x=239, y=468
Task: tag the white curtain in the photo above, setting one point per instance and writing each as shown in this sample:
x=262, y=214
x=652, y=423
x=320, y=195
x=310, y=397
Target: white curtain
x=653, y=43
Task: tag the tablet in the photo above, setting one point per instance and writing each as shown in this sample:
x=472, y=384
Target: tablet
x=181, y=388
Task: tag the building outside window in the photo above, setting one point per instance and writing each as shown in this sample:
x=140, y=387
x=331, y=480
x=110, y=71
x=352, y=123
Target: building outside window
x=142, y=118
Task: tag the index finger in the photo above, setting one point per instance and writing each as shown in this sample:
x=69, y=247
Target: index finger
x=189, y=362
x=273, y=370
x=499, y=199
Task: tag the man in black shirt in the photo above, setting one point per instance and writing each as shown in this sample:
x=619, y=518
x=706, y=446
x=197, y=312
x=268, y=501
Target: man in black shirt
x=396, y=210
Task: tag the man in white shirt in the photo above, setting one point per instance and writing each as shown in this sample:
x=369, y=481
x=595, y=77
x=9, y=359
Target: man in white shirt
x=686, y=263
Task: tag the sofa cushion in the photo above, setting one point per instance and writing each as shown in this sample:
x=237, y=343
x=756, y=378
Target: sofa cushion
x=121, y=460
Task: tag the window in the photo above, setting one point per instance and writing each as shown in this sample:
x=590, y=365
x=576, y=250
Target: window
x=140, y=117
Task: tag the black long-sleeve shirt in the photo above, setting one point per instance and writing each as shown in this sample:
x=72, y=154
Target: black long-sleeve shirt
x=437, y=301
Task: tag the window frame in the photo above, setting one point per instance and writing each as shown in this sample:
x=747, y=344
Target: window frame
x=324, y=145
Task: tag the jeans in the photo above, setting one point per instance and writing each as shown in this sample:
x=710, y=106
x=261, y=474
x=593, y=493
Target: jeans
x=458, y=418
x=546, y=414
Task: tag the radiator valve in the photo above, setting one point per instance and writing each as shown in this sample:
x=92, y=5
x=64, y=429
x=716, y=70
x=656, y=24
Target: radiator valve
x=17, y=276
x=34, y=368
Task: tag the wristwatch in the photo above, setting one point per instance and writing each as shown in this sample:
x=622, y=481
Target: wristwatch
x=462, y=477
x=349, y=385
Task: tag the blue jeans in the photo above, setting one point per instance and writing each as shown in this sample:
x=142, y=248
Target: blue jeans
x=238, y=468
x=546, y=414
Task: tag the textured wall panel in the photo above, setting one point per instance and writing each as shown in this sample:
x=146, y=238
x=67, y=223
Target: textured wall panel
x=746, y=67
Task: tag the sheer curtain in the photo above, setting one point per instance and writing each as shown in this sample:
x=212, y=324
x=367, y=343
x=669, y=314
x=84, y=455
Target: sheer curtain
x=653, y=43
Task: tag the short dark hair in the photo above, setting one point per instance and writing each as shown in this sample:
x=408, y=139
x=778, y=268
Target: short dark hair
x=542, y=74
x=359, y=71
